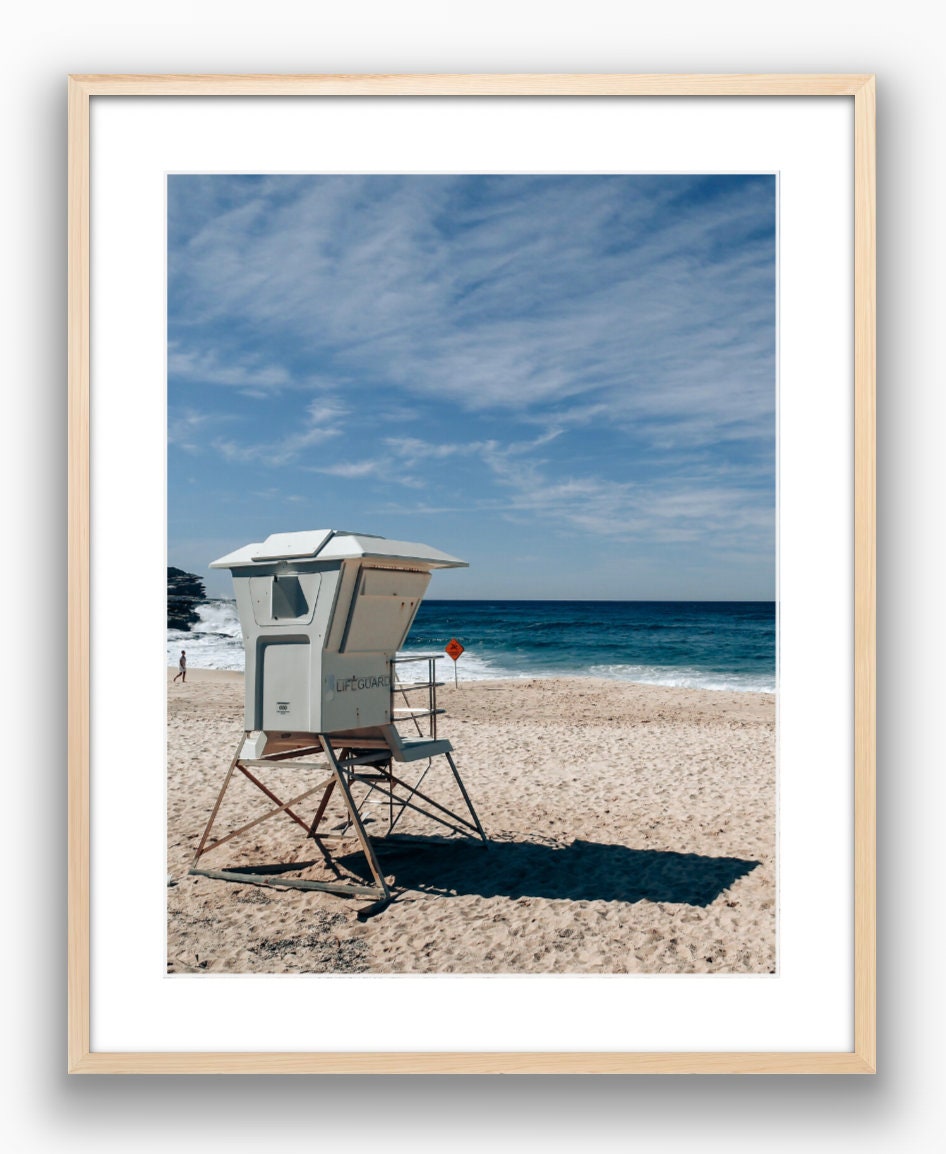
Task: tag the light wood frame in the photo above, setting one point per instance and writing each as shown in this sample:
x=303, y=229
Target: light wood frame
x=862, y=1059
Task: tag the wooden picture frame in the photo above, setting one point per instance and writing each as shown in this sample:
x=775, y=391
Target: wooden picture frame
x=82, y=89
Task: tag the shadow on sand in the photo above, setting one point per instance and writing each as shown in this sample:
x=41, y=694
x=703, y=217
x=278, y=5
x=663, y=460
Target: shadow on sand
x=582, y=871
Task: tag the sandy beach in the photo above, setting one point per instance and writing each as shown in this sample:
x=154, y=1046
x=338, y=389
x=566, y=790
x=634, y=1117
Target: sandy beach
x=631, y=827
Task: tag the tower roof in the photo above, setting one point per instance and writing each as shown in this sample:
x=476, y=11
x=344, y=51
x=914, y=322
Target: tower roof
x=335, y=545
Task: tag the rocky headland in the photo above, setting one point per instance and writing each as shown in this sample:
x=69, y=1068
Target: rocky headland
x=185, y=592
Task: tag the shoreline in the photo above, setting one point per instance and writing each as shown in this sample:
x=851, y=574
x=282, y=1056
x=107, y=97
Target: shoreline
x=198, y=674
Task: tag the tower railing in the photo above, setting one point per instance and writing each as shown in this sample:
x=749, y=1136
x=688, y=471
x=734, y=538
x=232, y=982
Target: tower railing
x=404, y=708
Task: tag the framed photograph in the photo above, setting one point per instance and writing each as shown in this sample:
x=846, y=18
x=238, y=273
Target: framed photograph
x=471, y=574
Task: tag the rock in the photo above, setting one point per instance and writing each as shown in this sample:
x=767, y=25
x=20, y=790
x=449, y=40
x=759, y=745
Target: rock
x=185, y=592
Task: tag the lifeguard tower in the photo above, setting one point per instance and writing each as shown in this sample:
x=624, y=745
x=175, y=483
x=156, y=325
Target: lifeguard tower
x=323, y=615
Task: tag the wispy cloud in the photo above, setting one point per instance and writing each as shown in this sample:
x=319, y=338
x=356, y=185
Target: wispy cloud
x=321, y=422
x=188, y=427
x=701, y=502
x=206, y=366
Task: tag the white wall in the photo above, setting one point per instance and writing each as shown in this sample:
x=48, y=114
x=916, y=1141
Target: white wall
x=897, y=1109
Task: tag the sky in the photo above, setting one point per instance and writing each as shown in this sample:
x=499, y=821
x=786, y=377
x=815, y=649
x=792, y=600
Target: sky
x=567, y=381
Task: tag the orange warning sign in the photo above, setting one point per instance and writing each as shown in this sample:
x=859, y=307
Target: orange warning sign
x=454, y=648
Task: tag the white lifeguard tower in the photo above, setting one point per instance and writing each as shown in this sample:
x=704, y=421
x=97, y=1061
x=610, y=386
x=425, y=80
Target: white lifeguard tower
x=323, y=614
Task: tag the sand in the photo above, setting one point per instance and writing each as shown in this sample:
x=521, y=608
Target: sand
x=632, y=830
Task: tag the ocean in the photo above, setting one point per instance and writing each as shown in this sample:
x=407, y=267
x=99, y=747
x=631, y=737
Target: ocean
x=723, y=645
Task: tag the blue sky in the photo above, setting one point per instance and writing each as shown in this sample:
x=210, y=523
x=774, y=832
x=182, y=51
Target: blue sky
x=568, y=381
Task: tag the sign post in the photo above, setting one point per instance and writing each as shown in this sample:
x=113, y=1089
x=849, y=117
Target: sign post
x=454, y=649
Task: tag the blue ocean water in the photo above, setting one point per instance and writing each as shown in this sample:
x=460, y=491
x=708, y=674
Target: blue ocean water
x=697, y=644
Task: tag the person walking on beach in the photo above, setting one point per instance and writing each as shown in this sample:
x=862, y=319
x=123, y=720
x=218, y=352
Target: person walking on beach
x=181, y=668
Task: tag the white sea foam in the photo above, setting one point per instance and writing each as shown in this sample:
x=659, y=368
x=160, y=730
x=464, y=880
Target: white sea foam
x=470, y=667
x=215, y=641
x=686, y=677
